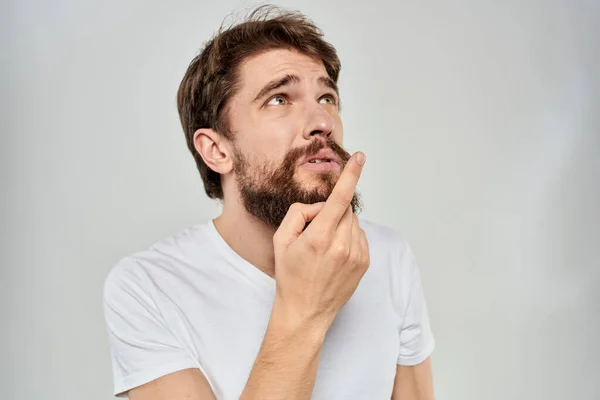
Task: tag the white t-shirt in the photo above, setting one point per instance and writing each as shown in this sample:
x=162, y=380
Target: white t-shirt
x=190, y=301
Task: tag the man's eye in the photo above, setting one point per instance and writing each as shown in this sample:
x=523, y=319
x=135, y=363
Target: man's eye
x=330, y=99
x=277, y=100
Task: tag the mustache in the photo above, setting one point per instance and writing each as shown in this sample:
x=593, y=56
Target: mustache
x=313, y=148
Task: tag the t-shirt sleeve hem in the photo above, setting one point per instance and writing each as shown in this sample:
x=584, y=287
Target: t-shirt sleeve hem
x=419, y=358
x=132, y=381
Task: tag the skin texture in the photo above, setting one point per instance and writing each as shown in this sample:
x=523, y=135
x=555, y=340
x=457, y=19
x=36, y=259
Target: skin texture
x=289, y=120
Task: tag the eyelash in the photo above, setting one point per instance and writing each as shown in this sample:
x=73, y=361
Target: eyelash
x=333, y=98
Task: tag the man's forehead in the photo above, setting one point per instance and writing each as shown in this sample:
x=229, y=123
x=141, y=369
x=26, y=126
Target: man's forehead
x=259, y=69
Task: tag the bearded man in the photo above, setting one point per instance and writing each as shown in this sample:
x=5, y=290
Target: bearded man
x=286, y=294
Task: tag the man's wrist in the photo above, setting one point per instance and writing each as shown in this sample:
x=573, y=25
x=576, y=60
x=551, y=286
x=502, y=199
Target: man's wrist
x=290, y=323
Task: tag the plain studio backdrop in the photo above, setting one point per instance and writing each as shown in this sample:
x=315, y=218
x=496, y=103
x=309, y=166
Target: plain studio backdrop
x=481, y=125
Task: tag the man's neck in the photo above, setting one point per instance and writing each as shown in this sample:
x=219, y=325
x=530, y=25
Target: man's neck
x=249, y=237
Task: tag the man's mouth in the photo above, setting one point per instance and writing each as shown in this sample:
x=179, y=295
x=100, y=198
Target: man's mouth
x=323, y=156
x=321, y=163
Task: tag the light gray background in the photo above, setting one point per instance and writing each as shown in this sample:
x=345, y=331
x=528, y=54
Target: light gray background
x=481, y=125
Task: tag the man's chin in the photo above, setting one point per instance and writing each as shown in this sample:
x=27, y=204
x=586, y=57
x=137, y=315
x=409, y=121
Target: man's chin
x=313, y=182
x=314, y=192
x=315, y=179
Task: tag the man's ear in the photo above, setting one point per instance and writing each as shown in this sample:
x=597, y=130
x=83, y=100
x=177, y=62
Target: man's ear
x=214, y=150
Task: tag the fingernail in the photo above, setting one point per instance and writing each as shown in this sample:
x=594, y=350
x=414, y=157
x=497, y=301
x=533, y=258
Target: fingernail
x=361, y=158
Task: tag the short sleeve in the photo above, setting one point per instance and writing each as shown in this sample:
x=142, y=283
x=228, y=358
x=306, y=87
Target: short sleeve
x=142, y=346
x=416, y=338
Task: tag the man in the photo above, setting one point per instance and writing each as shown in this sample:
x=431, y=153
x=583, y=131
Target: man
x=285, y=295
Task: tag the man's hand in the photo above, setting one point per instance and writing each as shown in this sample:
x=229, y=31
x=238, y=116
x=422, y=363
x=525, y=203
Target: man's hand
x=317, y=269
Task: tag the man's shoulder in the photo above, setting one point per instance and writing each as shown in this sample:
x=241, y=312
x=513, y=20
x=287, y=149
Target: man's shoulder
x=379, y=235
x=168, y=255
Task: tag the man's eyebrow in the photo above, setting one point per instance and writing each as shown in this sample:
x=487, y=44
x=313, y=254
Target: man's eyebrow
x=293, y=79
x=330, y=83
x=276, y=84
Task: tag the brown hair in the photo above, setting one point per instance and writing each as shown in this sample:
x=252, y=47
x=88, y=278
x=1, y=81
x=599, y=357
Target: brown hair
x=212, y=77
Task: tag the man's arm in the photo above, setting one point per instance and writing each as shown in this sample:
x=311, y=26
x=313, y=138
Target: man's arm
x=189, y=384
x=414, y=382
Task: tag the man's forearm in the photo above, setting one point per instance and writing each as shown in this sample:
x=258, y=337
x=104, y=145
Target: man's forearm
x=286, y=365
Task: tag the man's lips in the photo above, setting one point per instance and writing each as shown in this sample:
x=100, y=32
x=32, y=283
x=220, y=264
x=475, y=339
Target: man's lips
x=325, y=155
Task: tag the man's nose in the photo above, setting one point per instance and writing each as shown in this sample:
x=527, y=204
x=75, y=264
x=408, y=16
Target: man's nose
x=319, y=123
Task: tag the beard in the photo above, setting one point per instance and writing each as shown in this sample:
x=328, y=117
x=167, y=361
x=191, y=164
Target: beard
x=267, y=193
